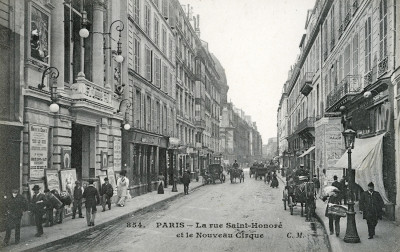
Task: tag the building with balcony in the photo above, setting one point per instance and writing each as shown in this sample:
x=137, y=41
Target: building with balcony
x=60, y=93
x=352, y=86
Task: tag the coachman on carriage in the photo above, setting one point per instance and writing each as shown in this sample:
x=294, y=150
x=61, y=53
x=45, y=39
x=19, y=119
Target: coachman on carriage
x=236, y=172
x=300, y=190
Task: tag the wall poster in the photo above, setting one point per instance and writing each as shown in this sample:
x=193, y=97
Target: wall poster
x=104, y=160
x=38, y=149
x=39, y=34
x=68, y=178
x=53, y=181
x=117, y=153
x=65, y=158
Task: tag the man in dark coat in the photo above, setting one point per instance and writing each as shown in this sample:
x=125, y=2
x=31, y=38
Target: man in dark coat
x=14, y=206
x=186, y=181
x=52, y=202
x=106, y=193
x=371, y=205
x=92, y=199
x=38, y=206
x=333, y=199
x=77, y=203
x=338, y=185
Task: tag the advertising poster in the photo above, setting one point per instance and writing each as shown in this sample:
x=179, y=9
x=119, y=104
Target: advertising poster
x=111, y=178
x=68, y=178
x=33, y=183
x=38, y=149
x=104, y=160
x=65, y=158
x=117, y=153
x=53, y=181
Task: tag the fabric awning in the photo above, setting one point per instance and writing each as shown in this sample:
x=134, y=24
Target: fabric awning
x=307, y=151
x=366, y=159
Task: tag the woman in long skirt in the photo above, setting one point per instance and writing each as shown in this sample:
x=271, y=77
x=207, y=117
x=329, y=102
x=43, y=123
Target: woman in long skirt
x=122, y=188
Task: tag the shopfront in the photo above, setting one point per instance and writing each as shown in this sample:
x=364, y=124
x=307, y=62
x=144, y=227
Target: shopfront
x=145, y=158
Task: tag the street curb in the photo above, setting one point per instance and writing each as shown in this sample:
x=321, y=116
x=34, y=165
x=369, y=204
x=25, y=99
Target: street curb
x=110, y=222
x=320, y=221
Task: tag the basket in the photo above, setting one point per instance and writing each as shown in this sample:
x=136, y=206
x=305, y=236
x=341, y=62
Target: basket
x=337, y=210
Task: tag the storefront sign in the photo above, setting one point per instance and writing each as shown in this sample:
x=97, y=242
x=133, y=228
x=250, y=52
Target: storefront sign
x=111, y=178
x=53, y=181
x=117, y=153
x=38, y=148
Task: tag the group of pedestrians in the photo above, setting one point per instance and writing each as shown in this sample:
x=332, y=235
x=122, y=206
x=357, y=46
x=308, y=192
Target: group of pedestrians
x=370, y=205
x=44, y=204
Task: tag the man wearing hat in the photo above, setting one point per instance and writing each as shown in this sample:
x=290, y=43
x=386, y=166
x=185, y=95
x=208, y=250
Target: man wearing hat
x=77, y=203
x=38, y=206
x=106, y=193
x=92, y=199
x=15, y=206
x=186, y=181
x=371, y=205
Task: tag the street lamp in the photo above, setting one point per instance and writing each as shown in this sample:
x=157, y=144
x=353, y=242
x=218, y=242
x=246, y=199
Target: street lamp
x=127, y=126
x=84, y=33
x=53, y=74
x=351, y=230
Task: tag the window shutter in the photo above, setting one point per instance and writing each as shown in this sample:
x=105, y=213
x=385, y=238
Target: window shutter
x=142, y=114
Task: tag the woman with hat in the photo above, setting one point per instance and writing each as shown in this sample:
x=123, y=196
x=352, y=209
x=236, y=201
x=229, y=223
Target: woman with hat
x=38, y=204
x=122, y=188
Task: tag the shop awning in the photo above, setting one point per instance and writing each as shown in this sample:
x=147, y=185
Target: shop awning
x=366, y=159
x=307, y=151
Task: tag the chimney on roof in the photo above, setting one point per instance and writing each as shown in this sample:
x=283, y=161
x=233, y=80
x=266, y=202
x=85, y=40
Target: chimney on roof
x=197, y=28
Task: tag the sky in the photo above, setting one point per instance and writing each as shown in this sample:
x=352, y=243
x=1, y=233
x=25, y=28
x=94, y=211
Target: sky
x=256, y=42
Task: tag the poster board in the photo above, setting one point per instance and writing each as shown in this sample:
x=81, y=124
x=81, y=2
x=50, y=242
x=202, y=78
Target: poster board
x=68, y=178
x=52, y=179
x=104, y=160
x=117, y=153
x=38, y=149
x=65, y=158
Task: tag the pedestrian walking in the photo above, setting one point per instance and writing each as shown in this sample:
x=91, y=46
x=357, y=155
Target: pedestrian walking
x=371, y=205
x=106, y=193
x=52, y=202
x=14, y=208
x=77, y=201
x=186, y=181
x=92, y=199
x=317, y=185
x=344, y=189
x=334, y=198
x=38, y=206
x=122, y=188
x=274, y=182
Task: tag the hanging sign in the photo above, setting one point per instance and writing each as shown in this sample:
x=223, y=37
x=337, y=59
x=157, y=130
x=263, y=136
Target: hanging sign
x=38, y=148
x=117, y=154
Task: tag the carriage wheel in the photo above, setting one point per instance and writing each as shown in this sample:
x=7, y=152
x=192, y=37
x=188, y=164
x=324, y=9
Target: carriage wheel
x=284, y=204
x=290, y=203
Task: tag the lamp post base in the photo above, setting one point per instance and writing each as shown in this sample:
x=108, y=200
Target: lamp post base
x=351, y=230
x=174, y=189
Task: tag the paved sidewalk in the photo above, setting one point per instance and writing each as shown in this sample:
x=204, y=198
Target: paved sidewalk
x=386, y=238
x=70, y=228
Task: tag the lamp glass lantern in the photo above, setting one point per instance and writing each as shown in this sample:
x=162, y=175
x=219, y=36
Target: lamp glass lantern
x=349, y=138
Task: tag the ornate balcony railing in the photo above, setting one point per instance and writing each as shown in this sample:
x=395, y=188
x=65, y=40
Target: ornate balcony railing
x=340, y=30
x=332, y=44
x=200, y=123
x=325, y=55
x=306, y=123
x=306, y=83
x=368, y=78
x=346, y=20
x=350, y=85
x=86, y=90
x=382, y=66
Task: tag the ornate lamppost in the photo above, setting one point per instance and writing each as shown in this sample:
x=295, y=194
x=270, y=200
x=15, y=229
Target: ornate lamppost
x=53, y=74
x=351, y=230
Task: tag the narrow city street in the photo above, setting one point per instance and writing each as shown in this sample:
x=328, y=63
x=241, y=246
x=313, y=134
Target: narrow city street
x=245, y=216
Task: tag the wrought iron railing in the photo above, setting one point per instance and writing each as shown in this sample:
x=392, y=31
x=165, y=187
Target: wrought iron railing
x=382, y=66
x=306, y=123
x=351, y=84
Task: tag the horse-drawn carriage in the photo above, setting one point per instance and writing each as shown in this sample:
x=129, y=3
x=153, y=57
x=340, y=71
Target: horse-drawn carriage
x=235, y=173
x=300, y=191
x=217, y=172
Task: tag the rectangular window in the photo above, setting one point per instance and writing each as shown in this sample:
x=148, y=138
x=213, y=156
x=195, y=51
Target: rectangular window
x=165, y=78
x=340, y=73
x=347, y=60
x=332, y=27
x=137, y=115
x=165, y=8
x=147, y=19
x=170, y=49
x=355, y=54
x=367, y=49
x=136, y=16
x=137, y=55
x=156, y=31
x=148, y=113
x=164, y=40
x=149, y=64
x=383, y=29
x=157, y=71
